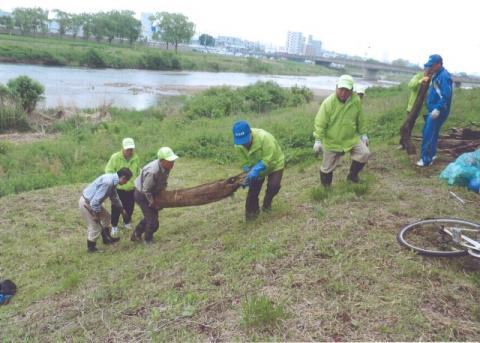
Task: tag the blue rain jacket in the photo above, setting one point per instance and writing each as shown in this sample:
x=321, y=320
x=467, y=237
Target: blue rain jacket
x=440, y=93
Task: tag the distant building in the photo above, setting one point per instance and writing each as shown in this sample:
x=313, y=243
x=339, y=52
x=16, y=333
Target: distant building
x=313, y=47
x=238, y=45
x=147, y=26
x=295, y=43
x=5, y=14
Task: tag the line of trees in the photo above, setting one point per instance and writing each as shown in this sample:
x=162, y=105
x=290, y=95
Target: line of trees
x=102, y=26
x=170, y=28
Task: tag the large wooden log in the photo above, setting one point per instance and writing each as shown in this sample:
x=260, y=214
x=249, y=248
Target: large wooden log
x=199, y=195
x=409, y=123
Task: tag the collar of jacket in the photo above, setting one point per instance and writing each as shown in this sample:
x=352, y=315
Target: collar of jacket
x=115, y=179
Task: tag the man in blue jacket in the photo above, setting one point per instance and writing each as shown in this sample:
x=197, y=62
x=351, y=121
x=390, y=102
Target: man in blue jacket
x=439, y=99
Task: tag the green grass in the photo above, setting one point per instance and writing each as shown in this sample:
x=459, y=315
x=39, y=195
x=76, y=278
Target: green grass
x=54, y=51
x=316, y=268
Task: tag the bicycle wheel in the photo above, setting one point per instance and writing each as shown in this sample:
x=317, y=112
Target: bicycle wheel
x=433, y=237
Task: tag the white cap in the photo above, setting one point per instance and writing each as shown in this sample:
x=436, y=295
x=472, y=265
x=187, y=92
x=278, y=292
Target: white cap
x=128, y=143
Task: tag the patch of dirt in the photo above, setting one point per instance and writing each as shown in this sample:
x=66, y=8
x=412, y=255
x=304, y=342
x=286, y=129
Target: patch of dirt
x=27, y=137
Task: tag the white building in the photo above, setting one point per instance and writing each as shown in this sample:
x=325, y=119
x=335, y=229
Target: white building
x=313, y=47
x=147, y=26
x=295, y=43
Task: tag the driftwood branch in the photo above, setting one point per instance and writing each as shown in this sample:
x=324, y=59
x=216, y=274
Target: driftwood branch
x=457, y=142
x=407, y=127
x=199, y=195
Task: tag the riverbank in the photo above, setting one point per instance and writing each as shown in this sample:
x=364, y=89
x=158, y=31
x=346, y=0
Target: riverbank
x=321, y=266
x=69, y=52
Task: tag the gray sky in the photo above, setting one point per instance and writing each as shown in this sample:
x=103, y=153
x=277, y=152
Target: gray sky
x=384, y=30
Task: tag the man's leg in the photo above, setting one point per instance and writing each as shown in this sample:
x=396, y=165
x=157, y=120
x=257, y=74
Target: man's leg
x=252, y=207
x=115, y=215
x=105, y=220
x=329, y=163
x=436, y=133
x=94, y=228
x=427, y=140
x=142, y=202
x=360, y=155
x=128, y=202
x=273, y=187
x=151, y=220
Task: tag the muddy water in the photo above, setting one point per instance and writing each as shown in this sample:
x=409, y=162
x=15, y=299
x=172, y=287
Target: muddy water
x=138, y=89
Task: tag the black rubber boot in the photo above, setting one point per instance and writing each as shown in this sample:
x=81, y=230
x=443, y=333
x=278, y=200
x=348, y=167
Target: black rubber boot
x=107, y=238
x=91, y=246
x=355, y=168
x=326, y=179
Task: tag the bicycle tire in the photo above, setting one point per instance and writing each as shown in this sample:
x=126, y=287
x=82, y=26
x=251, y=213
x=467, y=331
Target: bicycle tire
x=404, y=239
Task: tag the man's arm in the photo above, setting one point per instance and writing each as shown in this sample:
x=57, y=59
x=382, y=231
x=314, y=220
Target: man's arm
x=115, y=199
x=100, y=194
x=321, y=122
x=361, y=129
x=443, y=87
x=148, y=186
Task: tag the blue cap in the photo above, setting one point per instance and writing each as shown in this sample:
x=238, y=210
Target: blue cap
x=433, y=59
x=241, y=132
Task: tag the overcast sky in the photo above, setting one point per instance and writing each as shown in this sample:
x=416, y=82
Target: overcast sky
x=384, y=30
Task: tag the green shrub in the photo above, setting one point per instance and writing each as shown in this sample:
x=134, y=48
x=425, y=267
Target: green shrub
x=160, y=61
x=93, y=58
x=26, y=91
x=260, y=97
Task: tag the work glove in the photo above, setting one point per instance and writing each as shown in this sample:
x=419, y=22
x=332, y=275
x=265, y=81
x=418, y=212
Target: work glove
x=254, y=173
x=317, y=147
x=246, y=168
x=364, y=139
x=426, y=79
x=435, y=114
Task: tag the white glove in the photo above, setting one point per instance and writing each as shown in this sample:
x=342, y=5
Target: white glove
x=434, y=114
x=364, y=139
x=317, y=147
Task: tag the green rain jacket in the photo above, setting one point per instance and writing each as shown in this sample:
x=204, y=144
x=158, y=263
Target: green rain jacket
x=414, y=86
x=339, y=125
x=117, y=161
x=264, y=147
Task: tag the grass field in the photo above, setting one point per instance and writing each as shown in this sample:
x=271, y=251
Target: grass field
x=53, y=51
x=321, y=266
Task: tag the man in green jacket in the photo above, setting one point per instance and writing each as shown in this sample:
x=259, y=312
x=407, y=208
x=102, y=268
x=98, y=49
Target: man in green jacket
x=339, y=128
x=261, y=157
x=414, y=86
x=125, y=158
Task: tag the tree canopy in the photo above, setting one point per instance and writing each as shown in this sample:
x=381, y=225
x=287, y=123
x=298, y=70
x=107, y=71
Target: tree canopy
x=173, y=28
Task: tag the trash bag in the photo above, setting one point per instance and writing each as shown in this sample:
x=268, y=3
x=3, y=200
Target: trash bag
x=465, y=168
x=7, y=290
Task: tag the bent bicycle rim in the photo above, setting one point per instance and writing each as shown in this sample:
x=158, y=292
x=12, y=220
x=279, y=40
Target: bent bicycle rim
x=430, y=237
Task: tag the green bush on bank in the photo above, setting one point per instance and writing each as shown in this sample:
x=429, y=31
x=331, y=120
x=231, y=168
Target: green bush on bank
x=17, y=99
x=26, y=91
x=261, y=97
x=12, y=116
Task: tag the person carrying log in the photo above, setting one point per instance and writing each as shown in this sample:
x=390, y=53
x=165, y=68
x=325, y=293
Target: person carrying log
x=125, y=158
x=439, y=99
x=151, y=181
x=339, y=128
x=262, y=158
x=91, y=209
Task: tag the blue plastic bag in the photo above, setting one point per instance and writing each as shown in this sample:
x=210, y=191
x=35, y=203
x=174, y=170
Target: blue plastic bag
x=465, y=168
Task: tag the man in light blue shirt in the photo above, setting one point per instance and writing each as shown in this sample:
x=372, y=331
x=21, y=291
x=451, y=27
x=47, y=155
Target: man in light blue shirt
x=91, y=209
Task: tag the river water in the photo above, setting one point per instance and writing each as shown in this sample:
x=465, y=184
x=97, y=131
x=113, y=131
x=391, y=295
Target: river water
x=138, y=89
